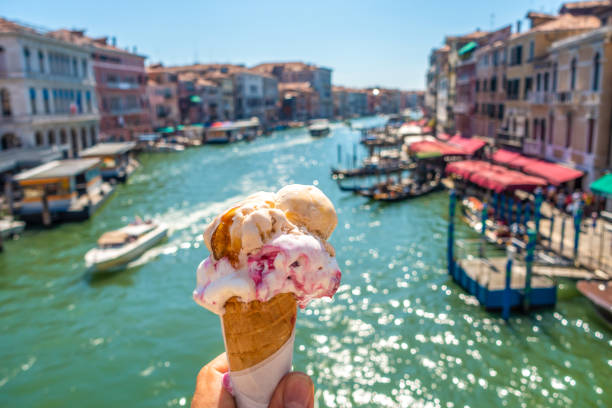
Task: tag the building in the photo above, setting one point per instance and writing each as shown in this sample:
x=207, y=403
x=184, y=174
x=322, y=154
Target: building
x=47, y=91
x=120, y=86
x=490, y=77
x=162, y=96
x=226, y=85
x=298, y=101
x=580, y=113
x=318, y=77
x=527, y=53
x=199, y=99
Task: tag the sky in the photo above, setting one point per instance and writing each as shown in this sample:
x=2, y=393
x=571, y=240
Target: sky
x=366, y=43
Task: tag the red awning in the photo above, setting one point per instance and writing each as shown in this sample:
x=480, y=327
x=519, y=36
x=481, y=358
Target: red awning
x=426, y=129
x=554, y=173
x=470, y=145
x=503, y=156
x=444, y=136
x=444, y=149
x=494, y=177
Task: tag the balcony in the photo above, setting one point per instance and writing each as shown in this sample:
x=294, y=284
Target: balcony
x=124, y=86
x=505, y=138
x=540, y=98
x=564, y=98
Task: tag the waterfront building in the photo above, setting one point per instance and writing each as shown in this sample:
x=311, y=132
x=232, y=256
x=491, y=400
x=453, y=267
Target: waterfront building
x=580, y=113
x=298, y=101
x=412, y=100
x=441, y=106
x=490, y=77
x=349, y=102
x=162, y=95
x=271, y=101
x=199, y=99
x=120, y=86
x=47, y=91
x=226, y=86
x=464, y=107
x=527, y=53
x=318, y=77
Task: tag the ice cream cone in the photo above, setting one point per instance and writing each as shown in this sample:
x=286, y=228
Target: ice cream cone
x=254, y=331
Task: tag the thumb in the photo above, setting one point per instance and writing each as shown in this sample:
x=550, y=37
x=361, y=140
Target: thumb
x=295, y=390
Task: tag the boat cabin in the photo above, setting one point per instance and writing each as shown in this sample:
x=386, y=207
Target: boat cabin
x=117, y=162
x=229, y=132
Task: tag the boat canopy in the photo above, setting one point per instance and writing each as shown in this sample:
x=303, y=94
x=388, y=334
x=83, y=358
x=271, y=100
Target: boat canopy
x=58, y=168
x=603, y=185
x=113, y=238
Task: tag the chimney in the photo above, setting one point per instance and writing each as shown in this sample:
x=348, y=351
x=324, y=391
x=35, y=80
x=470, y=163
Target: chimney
x=114, y=41
x=518, y=26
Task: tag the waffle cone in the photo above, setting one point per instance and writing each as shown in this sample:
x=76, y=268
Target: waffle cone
x=254, y=331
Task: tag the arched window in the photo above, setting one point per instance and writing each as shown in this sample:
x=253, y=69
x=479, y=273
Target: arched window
x=5, y=101
x=63, y=137
x=554, y=80
x=596, y=69
x=9, y=141
x=38, y=138
x=94, y=136
x=573, y=75
x=51, y=138
x=74, y=144
x=83, y=138
x=26, y=58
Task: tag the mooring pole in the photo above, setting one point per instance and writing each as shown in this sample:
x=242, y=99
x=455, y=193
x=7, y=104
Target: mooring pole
x=538, y=213
x=551, y=229
x=511, y=208
x=519, y=212
x=531, y=243
x=496, y=204
x=451, y=233
x=510, y=251
x=577, y=221
x=563, y=219
x=483, y=229
x=527, y=214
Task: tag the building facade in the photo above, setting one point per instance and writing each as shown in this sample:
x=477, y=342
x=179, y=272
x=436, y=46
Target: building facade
x=47, y=91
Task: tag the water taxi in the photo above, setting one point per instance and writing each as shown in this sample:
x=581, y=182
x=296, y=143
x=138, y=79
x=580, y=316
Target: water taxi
x=229, y=132
x=10, y=227
x=61, y=190
x=319, y=128
x=117, y=248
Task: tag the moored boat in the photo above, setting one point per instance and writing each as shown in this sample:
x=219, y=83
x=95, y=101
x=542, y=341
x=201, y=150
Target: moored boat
x=117, y=248
x=10, y=227
x=319, y=128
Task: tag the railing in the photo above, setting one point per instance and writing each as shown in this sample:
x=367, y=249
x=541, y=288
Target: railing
x=564, y=97
x=505, y=137
x=122, y=85
x=541, y=98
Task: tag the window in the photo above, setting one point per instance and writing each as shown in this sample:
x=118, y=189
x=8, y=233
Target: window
x=477, y=86
x=63, y=137
x=573, y=75
x=94, y=137
x=496, y=58
x=26, y=58
x=494, y=84
x=535, y=128
x=83, y=138
x=538, y=82
x=5, y=102
x=551, y=120
x=484, y=85
x=531, y=50
x=568, y=129
x=500, y=111
x=33, y=101
x=546, y=78
x=542, y=129
x=526, y=128
x=75, y=68
x=554, y=81
x=79, y=102
x=84, y=68
x=41, y=62
x=590, y=134
x=596, y=69
x=38, y=138
x=51, y=138
x=528, y=87
x=516, y=55
x=47, y=107
x=88, y=100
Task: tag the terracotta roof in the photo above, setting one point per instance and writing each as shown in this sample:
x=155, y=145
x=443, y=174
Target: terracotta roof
x=565, y=22
x=469, y=36
x=7, y=26
x=584, y=4
x=267, y=67
x=78, y=37
x=535, y=14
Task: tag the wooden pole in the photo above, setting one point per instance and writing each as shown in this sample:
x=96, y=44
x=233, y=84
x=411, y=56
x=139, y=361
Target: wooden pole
x=483, y=229
x=551, y=229
x=563, y=219
x=450, y=247
x=538, y=214
x=510, y=250
x=46, y=214
x=577, y=221
x=511, y=210
x=531, y=243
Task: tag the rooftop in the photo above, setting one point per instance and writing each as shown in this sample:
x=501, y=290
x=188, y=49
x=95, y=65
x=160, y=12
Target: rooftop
x=108, y=149
x=78, y=37
x=564, y=22
x=58, y=168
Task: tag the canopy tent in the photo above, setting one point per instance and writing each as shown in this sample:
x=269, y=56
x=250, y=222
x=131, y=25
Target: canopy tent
x=470, y=145
x=554, y=173
x=444, y=136
x=195, y=99
x=493, y=177
x=603, y=185
x=436, y=146
x=503, y=156
x=471, y=46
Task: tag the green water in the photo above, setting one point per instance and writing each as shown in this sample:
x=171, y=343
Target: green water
x=398, y=332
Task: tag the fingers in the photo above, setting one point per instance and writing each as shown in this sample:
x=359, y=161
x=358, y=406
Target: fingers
x=295, y=390
x=209, y=391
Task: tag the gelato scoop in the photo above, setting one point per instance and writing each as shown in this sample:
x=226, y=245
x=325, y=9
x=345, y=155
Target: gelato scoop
x=270, y=244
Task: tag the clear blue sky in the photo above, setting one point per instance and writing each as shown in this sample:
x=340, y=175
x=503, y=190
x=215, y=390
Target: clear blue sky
x=366, y=43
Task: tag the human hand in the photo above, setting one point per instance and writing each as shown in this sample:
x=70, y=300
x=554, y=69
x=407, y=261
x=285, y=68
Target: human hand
x=295, y=390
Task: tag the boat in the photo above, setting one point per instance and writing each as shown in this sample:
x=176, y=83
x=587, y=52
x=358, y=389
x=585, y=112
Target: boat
x=10, y=227
x=165, y=147
x=117, y=159
x=403, y=191
x=600, y=295
x=117, y=248
x=230, y=132
x=319, y=128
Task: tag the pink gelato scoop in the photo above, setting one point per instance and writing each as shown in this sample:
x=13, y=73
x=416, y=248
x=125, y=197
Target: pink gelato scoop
x=282, y=248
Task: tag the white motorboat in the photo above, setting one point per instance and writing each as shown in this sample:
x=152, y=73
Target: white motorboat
x=319, y=128
x=10, y=227
x=117, y=248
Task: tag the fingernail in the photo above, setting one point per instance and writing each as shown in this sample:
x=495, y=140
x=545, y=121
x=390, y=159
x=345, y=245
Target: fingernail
x=298, y=391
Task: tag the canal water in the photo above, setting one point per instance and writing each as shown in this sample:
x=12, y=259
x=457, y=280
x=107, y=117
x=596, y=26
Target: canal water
x=399, y=332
